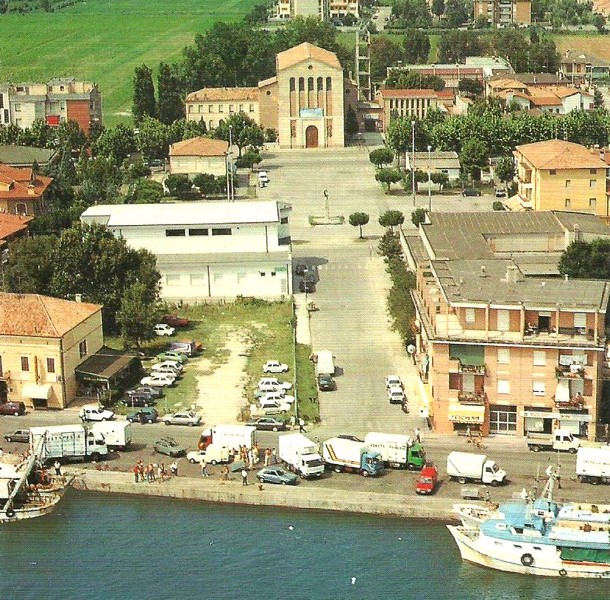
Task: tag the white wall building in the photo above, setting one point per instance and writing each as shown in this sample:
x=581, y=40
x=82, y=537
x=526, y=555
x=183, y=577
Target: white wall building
x=209, y=250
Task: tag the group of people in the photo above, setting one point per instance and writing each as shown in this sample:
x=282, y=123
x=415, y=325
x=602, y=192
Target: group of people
x=153, y=472
x=252, y=456
x=476, y=439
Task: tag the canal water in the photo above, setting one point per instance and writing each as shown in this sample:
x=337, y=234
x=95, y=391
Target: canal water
x=108, y=547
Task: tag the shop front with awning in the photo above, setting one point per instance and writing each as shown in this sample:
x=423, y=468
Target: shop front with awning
x=466, y=415
x=38, y=394
x=543, y=421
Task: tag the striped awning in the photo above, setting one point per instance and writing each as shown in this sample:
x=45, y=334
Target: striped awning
x=466, y=413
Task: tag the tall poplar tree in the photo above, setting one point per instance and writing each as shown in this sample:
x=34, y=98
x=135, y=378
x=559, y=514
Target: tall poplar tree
x=143, y=94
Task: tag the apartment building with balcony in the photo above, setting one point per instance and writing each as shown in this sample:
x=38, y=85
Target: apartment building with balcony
x=504, y=344
x=504, y=13
x=414, y=103
x=321, y=9
x=560, y=175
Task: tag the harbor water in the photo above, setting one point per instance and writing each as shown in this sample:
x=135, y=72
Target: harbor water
x=111, y=547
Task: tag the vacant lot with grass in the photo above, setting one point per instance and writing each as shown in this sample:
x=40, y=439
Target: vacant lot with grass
x=104, y=41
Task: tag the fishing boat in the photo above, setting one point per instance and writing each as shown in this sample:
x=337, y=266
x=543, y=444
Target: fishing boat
x=538, y=536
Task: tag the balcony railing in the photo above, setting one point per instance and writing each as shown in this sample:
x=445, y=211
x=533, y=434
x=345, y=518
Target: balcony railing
x=472, y=397
x=570, y=372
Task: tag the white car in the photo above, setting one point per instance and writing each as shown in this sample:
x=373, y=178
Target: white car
x=184, y=417
x=172, y=364
x=396, y=395
x=273, y=406
x=263, y=178
x=275, y=366
x=158, y=379
x=273, y=382
x=393, y=381
x=95, y=413
x=163, y=329
x=276, y=397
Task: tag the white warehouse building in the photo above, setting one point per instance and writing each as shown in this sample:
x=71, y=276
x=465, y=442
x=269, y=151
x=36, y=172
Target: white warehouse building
x=208, y=249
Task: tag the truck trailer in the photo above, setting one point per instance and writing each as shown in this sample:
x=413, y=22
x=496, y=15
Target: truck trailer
x=69, y=443
x=116, y=433
x=300, y=455
x=465, y=466
x=593, y=465
x=397, y=450
x=325, y=363
x=231, y=436
x=343, y=454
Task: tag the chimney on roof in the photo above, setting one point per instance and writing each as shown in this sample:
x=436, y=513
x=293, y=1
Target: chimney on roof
x=31, y=189
x=512, y=274
x=78, y=297
x=577, y=233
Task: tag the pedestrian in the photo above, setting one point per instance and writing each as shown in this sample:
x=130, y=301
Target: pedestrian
x=161, y=472
x=302, y=425
x=250, y=456
x=244, y=477
x=151, y=473
x=225, y=473
x=267, y=456
x=136, y=473
x=468, y=436
x=173, y=468
x=256, y=454
x=274, y=456
x=417, y=435
x=57, y=467
x=204, y=469
x=292, y=421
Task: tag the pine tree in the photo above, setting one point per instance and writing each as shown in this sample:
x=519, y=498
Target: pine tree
x=170, y=106
x=143, y=94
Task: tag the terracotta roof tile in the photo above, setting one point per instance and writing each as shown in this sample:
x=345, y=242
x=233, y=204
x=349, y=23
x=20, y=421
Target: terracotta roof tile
x=12, y=224
x=306, y=51
x=558, y=154
x=41, y=316
x=15, y=184
x=199, y=146
x=407, y=93
x=224, y=93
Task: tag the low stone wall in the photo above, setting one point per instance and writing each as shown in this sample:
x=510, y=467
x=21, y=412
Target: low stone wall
x=288, y=497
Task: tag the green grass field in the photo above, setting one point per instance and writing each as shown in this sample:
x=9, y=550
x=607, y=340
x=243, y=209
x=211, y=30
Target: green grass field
x=104, y=41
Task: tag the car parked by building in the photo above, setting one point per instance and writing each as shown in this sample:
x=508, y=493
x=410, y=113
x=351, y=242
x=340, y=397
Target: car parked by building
x=155, y=392
x=180, y=357
x=275, y=366
x=21, y=435
x=276, y=475
x=268, y=424
x=95, y=413
x=158, y=379
x=183, y=417
x=162, y=329
x=12, y=408
x=170, y=447
x=176, y=365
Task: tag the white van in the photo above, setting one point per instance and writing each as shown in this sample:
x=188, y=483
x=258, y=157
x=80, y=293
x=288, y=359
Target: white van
x=325, y=364
x=95, y=413
x=213, y=454
x=263, y=179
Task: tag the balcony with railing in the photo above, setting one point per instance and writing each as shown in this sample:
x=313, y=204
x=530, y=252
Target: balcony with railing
x=457, y=366
x=478, y=398
x=573, y=371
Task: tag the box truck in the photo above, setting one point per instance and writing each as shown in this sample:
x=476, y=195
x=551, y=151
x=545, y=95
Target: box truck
x=397, y=450
x=465, y=466
x=560, y=439
x=212, y=454
x=593, y=465
x=67, y=443
x=116, y=433
x=231, y=436
x=325, y=363
x=300, y=455
x=343, y=454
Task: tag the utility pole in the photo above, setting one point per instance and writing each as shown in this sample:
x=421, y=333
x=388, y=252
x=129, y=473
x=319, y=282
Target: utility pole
x=413, y=159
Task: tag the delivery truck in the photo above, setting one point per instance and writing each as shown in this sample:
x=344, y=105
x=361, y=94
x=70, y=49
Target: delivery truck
x=231, y=436
x=300, y=455
x=396, y=450
x=69, y=443
x=212, y=454
x=116, y=433
x=325, y=363
x=560, y=440
x=593, y=465
x=465, y=466
x=348, y=455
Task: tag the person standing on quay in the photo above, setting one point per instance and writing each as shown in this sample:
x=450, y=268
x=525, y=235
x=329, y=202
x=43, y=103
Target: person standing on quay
x=244, y=477
x=204, y=469
x=57, y=467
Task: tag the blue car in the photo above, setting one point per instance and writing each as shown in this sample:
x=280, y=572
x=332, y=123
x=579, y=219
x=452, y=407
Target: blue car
x=276, y=475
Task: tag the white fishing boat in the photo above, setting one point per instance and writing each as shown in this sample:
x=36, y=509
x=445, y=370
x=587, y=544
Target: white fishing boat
x=539, y=537
x=472, y=515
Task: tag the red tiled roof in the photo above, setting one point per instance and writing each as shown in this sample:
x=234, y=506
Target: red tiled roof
x=16, y=184
x=41, y=316
x=11, y=225
x=410, y=93
x=199, y=146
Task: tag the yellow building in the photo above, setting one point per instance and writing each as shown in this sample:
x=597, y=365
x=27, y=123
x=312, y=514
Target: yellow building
x=42, y=342
x=504, y=13
x=304, y=102
x=559, y=175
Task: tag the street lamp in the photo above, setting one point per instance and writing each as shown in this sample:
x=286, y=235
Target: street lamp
x=429, y=183
x=413, y=159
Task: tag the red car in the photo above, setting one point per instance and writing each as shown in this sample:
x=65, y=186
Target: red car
x=175, y=321
x=427, y=481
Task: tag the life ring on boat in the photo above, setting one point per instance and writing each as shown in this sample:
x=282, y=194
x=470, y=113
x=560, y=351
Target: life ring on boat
x=562, y=572
x=527, y=560
x=10, y=513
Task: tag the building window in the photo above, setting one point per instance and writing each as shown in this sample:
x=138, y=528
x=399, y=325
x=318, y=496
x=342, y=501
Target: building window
x=172, y=280
x=82, y=348
x=200, y=108
x=503, y=320
x=539, y=388
x=301, y=84
x=568, y=183
x=539, y=358
x=197, y=279
x=593, y=171
x=17, y=107
x=568, y=203
x=292, y=84
x=580, y=320
x=222, y=231
x=592, y=202
x=592, y=183
x=241, y=108
x=251, y=107
x=320, y=84
x=25, y=363
x=310, y=84
x=50, y=365
x=210, y=108
x=175, y=232
x=329, y=84
x=193, y=232
x=470, y=315
x=503, y=386
x=221, y=108
x=231, y=108
x=503, y=356
x=272, y=273
x=190, y=108
x=552, y=172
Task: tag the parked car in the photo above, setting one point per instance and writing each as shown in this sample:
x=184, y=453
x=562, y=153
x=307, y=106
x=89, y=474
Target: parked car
x=326, y=383
x=273, y=381
x=263, y=179
x=393, y=381
x=276, y=475
x=138, y=399
x=180, y=357
x=158, y=379
x=500, y=193
x=396, y=395
x=163, y=329
x=143, y=415
x=175, y=321
x=471, y=192
x=266, y=389
x=155, y=392
x=156, y=164
x=12, y=408
x=273, y=407
x=21, y=435
x=176, y=365
x=182, y=418
x=167, y=371
x=300, y=269
x=274, y=366
x=308, y=284
x=268, y=424
x=95, y=413
x=170, y=447
x=427, y=480
x=276, y=397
